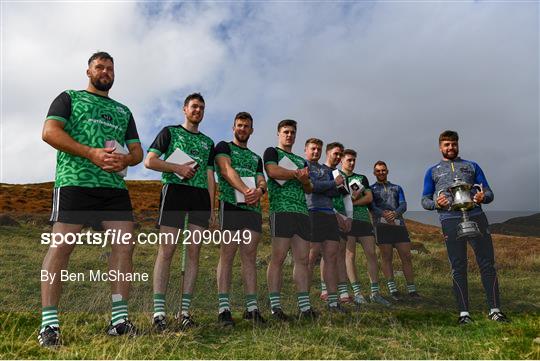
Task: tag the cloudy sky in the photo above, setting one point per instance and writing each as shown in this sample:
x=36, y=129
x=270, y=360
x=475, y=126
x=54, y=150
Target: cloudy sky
x=384, y=78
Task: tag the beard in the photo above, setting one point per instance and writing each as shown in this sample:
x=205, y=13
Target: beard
x=241, y=138
x=101, y=85
x=450, y=155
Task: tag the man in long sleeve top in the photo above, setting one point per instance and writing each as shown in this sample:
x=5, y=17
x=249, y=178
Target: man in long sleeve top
x=435, y=196
x=388, y=207
x=324, y=221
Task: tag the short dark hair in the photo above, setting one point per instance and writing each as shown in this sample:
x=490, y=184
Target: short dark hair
x=243, y=116
x=333, y=145
x=100, y=55
x=449, y=135
x=314, y=141
x=349, y=152
x=379, y=162
x=190, y=97
x=286, y=123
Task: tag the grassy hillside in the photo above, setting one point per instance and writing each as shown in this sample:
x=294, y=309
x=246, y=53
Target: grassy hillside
x=423, y=330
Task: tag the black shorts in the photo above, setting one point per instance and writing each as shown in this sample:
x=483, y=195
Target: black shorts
x=90, y=206
x=178, y=200
x=234, y=218
x=359, y=229
x=390, y=234
x=288, y=224
x=324, y=227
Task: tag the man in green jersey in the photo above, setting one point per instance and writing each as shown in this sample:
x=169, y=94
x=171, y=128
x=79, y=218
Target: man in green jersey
x=188, y=190
x=361, y=231
x=241, y=186
x=88, y=189
x=288, y=180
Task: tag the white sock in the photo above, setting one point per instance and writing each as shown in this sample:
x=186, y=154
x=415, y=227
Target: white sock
x=464, y=313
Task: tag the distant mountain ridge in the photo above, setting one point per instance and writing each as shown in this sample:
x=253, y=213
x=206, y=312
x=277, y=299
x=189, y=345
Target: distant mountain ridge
x=528, y=226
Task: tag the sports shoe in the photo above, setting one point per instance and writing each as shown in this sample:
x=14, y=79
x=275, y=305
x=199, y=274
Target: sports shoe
x=308, y=314
x=124, y=328
x=338, y=309
x=50, y=337
x=359, y=300
x=160, y=324
x=186, y=322
x=324, y=296
x=414, y=295
x=278, y=314
x=225, y=319
x=377, y=298
x=395, y=296
x=498, y=317
x=463, y=320
x=255, y=316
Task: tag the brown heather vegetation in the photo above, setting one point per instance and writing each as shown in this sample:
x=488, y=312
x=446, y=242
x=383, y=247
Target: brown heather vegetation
x=409, y=330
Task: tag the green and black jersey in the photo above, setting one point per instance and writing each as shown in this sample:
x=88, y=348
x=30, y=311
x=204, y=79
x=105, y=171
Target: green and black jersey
x=197, y=145
x=90, y=119
x=246, y=163
x=360, y=213
x=290, y=196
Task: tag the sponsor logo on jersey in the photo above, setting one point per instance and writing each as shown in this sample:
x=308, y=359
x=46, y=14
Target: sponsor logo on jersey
x=99, y=121
x=120, y=109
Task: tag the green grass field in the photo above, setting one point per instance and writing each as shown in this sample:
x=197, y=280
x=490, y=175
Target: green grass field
x=423, y=330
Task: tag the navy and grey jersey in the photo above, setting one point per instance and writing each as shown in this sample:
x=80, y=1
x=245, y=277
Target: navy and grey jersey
x=440, y=177
x=387, y=197
x=324, y=188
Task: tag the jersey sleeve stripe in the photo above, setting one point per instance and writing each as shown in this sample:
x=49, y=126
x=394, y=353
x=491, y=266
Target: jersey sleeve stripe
x=154, y=150
x=55, y=117
x=270, y=162
x=222, y=155
x=129, y=141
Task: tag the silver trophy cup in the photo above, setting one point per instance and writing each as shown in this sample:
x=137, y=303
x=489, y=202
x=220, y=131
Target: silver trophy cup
x=461, y=201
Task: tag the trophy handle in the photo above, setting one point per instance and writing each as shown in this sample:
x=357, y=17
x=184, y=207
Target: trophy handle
x=479, y=187
x=439, y=193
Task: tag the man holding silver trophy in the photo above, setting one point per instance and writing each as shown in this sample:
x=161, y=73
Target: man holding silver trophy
x=448, y=188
